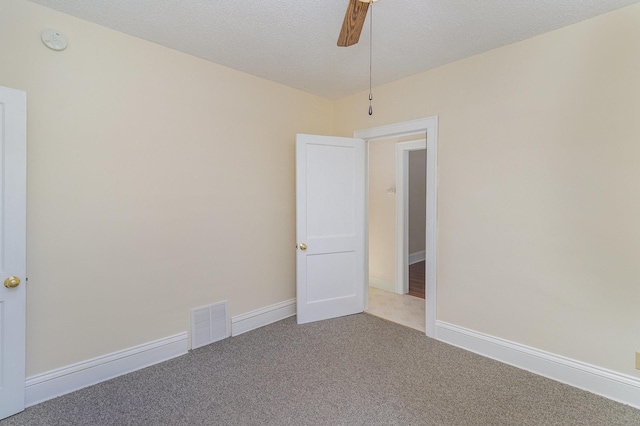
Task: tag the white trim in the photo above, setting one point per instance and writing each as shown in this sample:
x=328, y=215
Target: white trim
x=406, y=128
x=365, y=294
x=428, y=126
x=416, y=257
x=610, y=384
x=263, y=316
x=60, y=381
x=402, y=211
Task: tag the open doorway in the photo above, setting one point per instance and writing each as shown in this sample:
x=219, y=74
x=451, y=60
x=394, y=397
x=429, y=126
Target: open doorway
x=411, y=216
x=397, y=228
x=417, y=129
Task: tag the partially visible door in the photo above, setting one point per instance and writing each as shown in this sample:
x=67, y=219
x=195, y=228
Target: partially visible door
x=330, y=227
x=13, y=154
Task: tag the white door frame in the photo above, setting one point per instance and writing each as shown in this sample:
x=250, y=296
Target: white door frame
x=428, y=126
x=402, y=211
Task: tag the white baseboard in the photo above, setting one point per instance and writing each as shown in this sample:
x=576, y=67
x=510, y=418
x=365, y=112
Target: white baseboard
x=54, y=383
x=382, y=284
x=60, y=381
x=263, y=316
x=610, y=384
x=416, y=257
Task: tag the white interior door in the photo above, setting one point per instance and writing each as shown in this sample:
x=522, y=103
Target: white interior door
x=13, y=119
x=330, y=227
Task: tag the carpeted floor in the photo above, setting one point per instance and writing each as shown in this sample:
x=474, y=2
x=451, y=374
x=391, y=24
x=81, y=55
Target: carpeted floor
x=357, y=370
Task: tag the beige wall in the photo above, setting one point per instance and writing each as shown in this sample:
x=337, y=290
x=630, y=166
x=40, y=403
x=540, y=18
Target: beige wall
x=538, y=186
x=157, y=182
x=417, y=200
x=382, y=214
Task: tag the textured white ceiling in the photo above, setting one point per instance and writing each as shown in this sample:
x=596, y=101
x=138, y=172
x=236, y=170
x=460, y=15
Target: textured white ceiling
x=294, y=41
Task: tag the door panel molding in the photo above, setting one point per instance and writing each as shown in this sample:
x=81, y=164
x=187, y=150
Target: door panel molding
x=330, y=227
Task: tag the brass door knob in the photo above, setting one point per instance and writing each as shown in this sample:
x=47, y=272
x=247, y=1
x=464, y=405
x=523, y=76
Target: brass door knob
x=12, y=282
x=303, y=246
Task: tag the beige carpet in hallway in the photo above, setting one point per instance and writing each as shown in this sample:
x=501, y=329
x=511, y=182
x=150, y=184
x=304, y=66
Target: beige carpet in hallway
x=399, y=308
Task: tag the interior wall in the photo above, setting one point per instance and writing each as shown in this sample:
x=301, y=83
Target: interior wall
x=382, y=214
x=157, y=182
x=538, y=196
x=417, y=200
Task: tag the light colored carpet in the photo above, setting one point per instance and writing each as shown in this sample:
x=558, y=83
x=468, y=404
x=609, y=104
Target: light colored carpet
x=356, y=370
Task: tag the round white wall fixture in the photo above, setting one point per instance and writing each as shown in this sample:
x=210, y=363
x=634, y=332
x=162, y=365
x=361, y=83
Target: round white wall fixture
x=54, y=40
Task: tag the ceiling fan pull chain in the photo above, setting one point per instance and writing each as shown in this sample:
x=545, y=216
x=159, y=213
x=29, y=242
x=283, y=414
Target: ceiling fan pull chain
x=370, y=55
